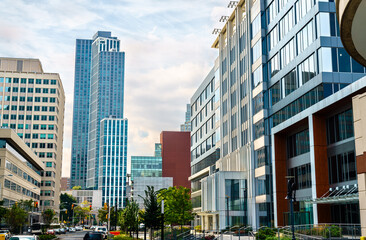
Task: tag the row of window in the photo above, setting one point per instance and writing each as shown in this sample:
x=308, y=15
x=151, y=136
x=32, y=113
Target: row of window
x=47, y=193
x=29, y=90
x=29, y=108
x=48, y=155
x=292, y=81
x=17, y=171
x=37, y=136
x=340, y=127
x=29, y=80
x=204, y=129
x=204, y=95
x=298, y=144
x=307, y=100
x=15, y=187
x=28, y=99
x=29, y=117
x=338, y=60
x=206, y=145
x=49, y=174
x=205, y=111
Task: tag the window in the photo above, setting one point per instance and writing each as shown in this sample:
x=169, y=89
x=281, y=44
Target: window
x=288, y=53
x=38, y=90
x=31, y=80
x=53, y=90
x=44, y=108
x=37, y=99
x=305, y=37
x=38, y=81
x=257, y=51
x=45, y=90
x=303, y=7
x=53, y=82
x=36, y=117
x=307, y=70
x=286, y=23
x=271, y=11
x=257, y=76
x=46, y=81
x=256, y=25
x=298, y=144
x=274, y=65
x=342, y=167
x=302, y=176
x=275, y=93
x=273, y=38
x=44, y=99
x=340, y=127
x=290, y=82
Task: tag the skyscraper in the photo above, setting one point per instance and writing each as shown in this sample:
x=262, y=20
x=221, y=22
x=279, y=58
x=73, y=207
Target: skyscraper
x=186, y=126
x=98, y=95
x=80, y=122
x=32, y=104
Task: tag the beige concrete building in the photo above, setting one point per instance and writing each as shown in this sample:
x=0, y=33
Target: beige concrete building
x=32, y=104
x=20, y=171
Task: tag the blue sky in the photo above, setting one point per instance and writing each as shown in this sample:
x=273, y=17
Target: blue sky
x=167, y=45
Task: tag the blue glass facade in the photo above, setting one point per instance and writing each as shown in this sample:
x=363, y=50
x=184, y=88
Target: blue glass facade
x=113, y=161
x=147, y=166
x=106, y=94
x=80, y=124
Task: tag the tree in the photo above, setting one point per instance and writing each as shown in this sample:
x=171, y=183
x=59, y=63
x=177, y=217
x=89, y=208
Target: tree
x=82, y=213
x=3, y=211
x=102, y=215
x=76, y=188
x=129, y=216
x=152, y=214
x=177, y=205
x=66, y=201
x=16, y=217
x=48, y=216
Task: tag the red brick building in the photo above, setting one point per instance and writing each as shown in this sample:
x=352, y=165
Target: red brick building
x=176, y=156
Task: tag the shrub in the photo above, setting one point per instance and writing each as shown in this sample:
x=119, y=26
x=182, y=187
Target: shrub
x=209, y=237
x=46, y=237
x=122, y=237
x=198, y=228
x=265, y=233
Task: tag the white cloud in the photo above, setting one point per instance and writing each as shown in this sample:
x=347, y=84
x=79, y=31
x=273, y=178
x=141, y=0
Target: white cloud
x=167, y=45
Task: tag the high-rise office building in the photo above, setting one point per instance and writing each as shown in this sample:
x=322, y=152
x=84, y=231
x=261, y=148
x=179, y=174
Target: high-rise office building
x=113, y=161
x=80, y=121
x=284, y=87
x=106, y=94
x=186, y=126
x=32, y=104
x=98, y=95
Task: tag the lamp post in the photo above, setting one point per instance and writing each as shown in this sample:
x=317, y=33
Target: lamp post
x=291, y=191
x=162, y=219
x=227, y=211
x=245, y=205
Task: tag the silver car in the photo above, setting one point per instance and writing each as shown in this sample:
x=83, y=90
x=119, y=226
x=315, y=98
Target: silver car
x=24, y=237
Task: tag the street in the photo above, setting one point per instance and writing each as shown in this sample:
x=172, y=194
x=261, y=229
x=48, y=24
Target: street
x=72, y=236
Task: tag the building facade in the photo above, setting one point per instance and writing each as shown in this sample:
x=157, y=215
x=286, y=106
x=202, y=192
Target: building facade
x=175, y=153
x=80, y=121
x=20, y=172
x=186, y=126
x=140, y=185
x=147, y=166
x=106, y=94
x=113, y=161
x=32, y=104
x=65, y=183
x=284, y=87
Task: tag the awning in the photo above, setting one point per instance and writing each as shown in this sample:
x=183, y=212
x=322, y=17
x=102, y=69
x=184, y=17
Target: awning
x=338, y=195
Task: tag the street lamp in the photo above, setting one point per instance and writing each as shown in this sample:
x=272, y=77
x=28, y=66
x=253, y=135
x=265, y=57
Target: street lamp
x=291, y=193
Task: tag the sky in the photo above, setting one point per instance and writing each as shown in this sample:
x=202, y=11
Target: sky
x=167, y=45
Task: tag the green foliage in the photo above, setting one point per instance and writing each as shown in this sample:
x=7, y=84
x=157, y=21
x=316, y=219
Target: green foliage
x=177, y=205
x=335, y=231
x=265, y=233
x=46, y=237
x=3, y=211
x=198, y=228
x=152, y=214
x=122, y=237
x=16, y=217
x=129, y=216
x=66, y=202
x=48, y=216
x=102, y=215
x=76, y=188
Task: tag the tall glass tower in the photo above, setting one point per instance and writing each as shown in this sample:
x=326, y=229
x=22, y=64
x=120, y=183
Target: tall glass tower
x=80, y=123
x=98, y=94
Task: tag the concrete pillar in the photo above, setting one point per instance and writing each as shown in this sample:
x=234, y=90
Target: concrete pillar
x=359, y=121
x=214, y=223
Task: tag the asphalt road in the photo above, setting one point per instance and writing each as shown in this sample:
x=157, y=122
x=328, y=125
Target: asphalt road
x=72, y=236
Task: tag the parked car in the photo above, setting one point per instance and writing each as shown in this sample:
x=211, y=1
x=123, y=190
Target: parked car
x=102, y=230
x=93, y=236
x=24, y=237
x=72, y=229
x=6, y=233
x=79, y=228
x=62, y=230
x=57, y=231
x=92, y=227
x=51, y=232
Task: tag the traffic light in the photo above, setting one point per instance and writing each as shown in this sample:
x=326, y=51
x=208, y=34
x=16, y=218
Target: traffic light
x=66, y=211
x=105, y=206
x=35, y=204
x=72, y=207
x=90, y=207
